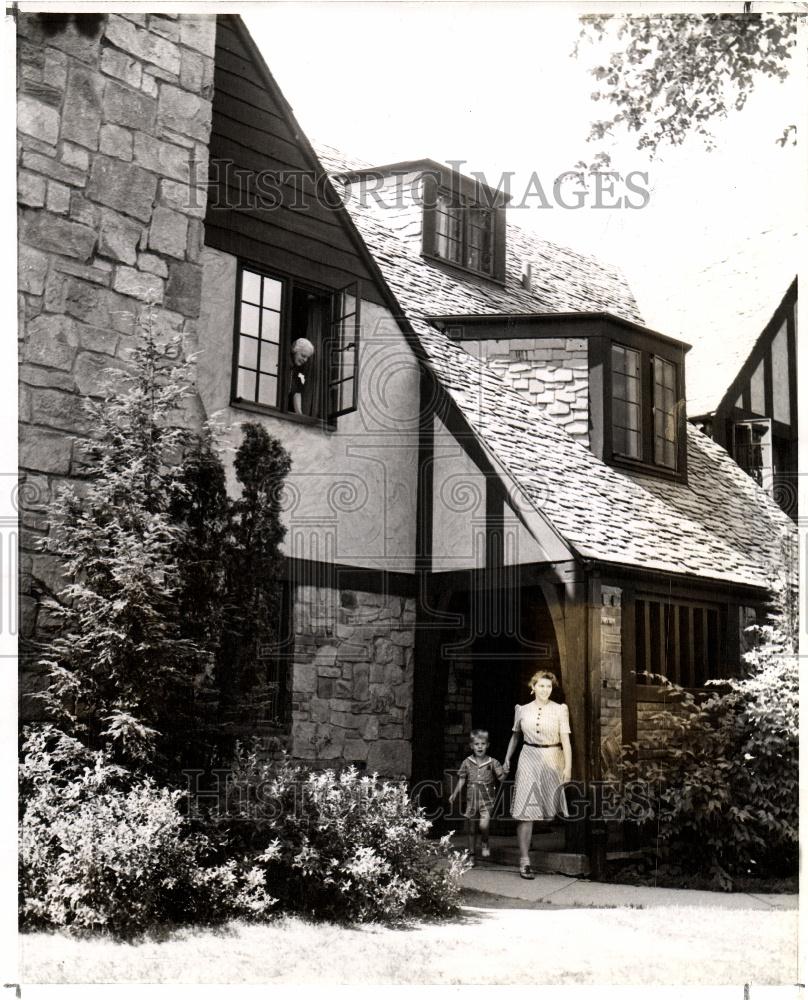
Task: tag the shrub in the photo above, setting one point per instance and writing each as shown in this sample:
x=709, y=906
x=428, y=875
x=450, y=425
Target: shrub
x=103, y=849
x=341, y=845
x=724, y=798
x=173, y=589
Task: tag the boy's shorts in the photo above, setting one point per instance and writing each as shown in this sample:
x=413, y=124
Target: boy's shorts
x=479, y=802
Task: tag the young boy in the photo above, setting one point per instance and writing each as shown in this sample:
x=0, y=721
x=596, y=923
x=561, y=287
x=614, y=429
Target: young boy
x=478, y=771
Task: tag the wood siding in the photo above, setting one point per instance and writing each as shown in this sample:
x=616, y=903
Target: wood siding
x=267, y=202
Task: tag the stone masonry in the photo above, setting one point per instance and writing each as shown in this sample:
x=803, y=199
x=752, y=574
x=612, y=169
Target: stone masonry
x=352, y=679
x=552, y=373
x=611, y=674
x=458, y=711
x=113, y=128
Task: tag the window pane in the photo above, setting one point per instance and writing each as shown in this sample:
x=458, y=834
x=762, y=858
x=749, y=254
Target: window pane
x=480, y=239
x=248, y=352
x=626, y=417
x=246, y=384
x=272, y=293
x=268, y=390
x=448, y=229
x=269, y=358
x=625, y=360
x=251, y=287
x=270, y=325
x=249, y=319
x=664, y=413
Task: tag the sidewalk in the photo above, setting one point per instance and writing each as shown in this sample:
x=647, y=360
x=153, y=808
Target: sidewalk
x=565, y=891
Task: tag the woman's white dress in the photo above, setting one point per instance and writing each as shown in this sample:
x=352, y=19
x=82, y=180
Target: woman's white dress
x=538, y=788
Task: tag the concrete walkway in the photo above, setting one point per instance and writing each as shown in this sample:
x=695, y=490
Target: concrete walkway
x=565, y=891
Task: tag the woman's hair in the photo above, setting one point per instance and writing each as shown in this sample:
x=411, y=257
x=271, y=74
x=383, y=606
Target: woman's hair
x=479, y=734
x=539, y=675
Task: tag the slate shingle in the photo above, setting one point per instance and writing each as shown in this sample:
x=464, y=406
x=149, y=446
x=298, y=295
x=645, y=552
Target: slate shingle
x=719, y=526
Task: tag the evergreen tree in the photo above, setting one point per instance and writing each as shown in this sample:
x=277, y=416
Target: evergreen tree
x=254, y=567
x=174, y=591
x=121, y=666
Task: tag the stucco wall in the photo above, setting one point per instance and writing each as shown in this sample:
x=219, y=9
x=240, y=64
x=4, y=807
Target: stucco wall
x=351, y=494
x=458, y=512
x=520, y=546
x=458, y=508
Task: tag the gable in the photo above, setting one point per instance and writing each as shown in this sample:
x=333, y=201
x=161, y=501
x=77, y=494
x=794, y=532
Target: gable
x=268, y=200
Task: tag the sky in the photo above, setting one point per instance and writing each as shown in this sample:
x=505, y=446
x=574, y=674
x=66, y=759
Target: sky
x=496, y=85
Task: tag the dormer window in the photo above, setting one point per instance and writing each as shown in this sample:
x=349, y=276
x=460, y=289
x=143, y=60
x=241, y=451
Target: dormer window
x=646, y=424
x=464, y=233
x=464, y=224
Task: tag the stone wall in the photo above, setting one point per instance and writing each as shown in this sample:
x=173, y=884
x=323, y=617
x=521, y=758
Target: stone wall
x=654, y=733
x=611, y=675
x=458, y=711
x=352, y=679
x=113, y=128
x=552, y=373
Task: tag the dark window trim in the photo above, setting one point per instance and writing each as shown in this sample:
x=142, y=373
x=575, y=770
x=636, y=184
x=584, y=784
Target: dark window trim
x=273, y=411
x=290, y=282
x=435, y=259
x=432, y=189
x=600, y=360
x=693, y=657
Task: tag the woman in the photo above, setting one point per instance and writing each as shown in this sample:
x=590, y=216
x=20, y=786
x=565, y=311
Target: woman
x=545, y=762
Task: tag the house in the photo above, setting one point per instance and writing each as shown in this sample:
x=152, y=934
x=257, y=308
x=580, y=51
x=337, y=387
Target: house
x=493, y=470
x=576, y=410
x=741, y=317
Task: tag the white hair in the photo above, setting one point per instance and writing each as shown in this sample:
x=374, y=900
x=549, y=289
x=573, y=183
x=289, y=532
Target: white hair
x=301, y=344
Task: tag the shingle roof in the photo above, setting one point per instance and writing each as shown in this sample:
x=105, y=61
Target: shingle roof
x=563, y=280
x=720, y=525
x=725, y=310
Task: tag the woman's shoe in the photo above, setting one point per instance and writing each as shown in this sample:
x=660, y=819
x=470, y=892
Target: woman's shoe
x=525, y=872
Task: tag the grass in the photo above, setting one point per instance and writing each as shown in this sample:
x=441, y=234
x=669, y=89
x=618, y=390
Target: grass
x=494, y=941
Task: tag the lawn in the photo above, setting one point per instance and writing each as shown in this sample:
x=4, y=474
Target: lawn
x=494, y=941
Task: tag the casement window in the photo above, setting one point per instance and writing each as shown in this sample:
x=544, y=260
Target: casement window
x=272, y=313
x=680, y=641
x=464, y=233
x=646, y=422
x=751, y=447
x=766, y=454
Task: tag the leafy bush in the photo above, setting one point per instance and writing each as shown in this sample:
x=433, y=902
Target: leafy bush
x=341, y=845
x=102, y=849
x=724, y=799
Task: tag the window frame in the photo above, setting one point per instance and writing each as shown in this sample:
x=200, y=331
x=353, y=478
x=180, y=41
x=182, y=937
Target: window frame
x=460, y=209
x=330, y=297
x=463, y=192
x=601, y=358
x=670, y=609
x=767, y=448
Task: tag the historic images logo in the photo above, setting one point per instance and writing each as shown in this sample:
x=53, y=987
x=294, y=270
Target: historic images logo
x=235, y=188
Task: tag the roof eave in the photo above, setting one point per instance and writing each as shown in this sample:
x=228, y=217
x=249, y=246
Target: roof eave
x=480, y=318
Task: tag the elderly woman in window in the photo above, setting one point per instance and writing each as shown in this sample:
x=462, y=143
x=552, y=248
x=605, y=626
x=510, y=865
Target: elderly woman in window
x=301, y=376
